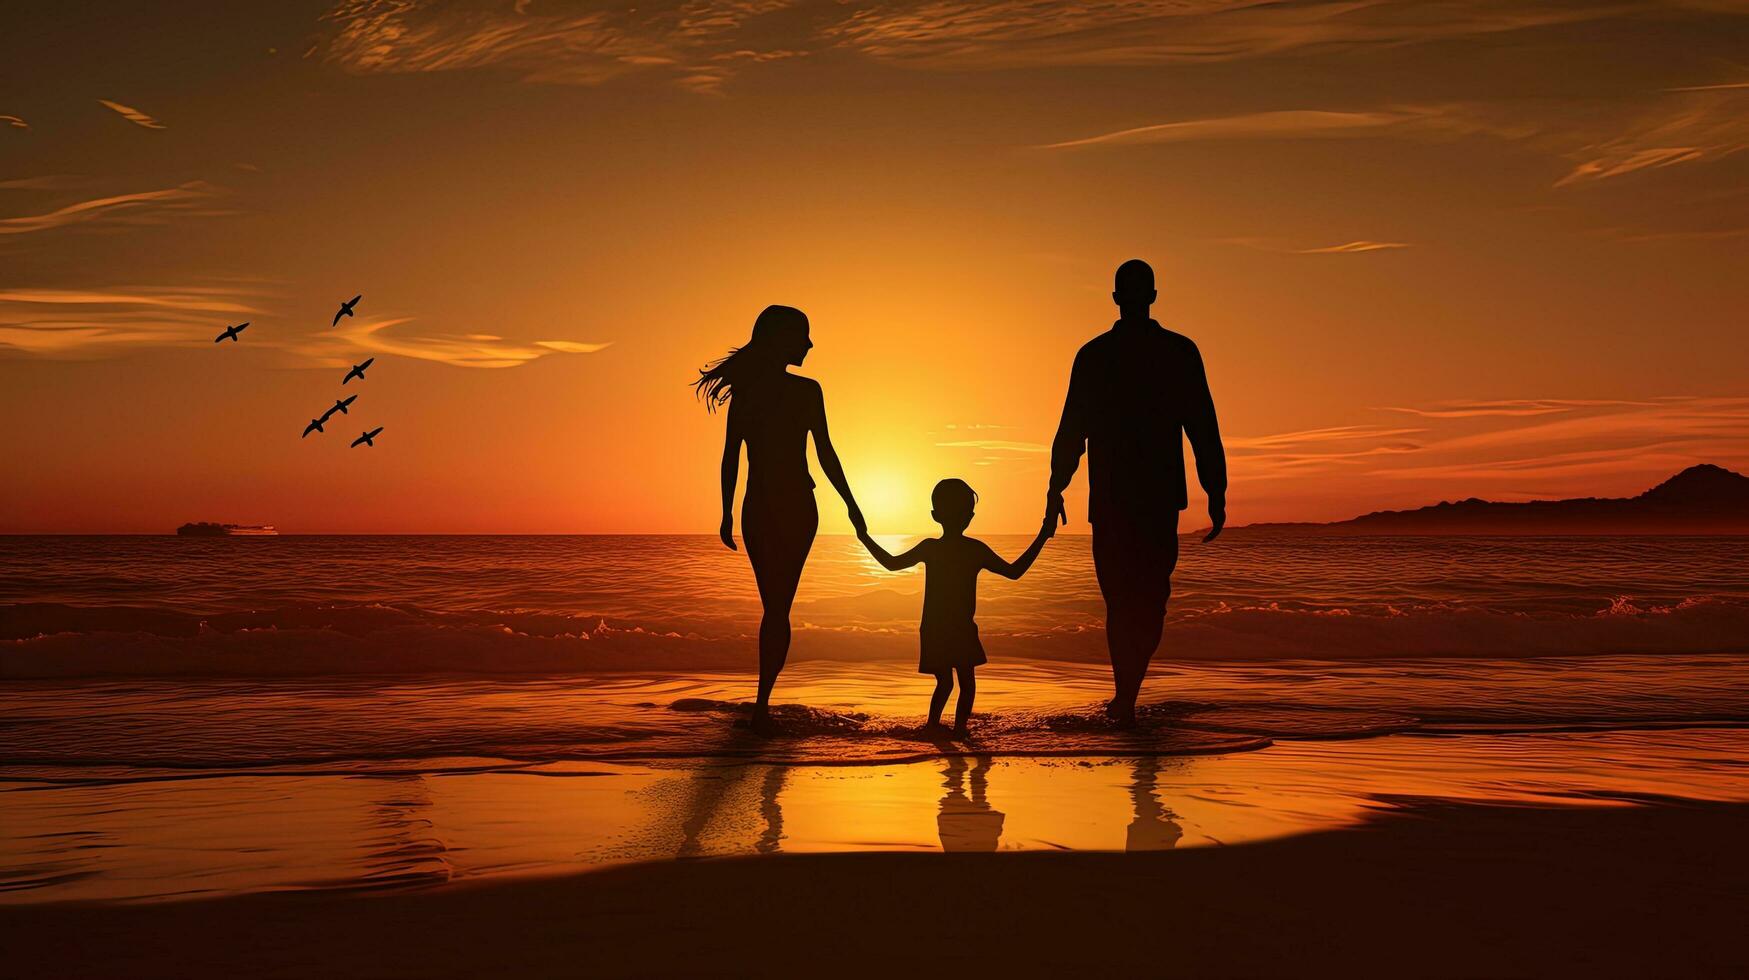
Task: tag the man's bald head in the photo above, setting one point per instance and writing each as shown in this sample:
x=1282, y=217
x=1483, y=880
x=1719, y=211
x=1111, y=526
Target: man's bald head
x=1133, y=288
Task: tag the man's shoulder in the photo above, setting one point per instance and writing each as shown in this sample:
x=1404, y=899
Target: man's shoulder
x=1115, y=343
x=1099, y=348
x=1177, y=339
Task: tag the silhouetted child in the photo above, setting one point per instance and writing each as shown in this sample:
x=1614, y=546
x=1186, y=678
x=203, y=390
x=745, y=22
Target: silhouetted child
x=950, y=594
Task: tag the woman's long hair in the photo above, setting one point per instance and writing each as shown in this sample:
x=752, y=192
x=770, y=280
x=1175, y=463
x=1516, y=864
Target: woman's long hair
x=760, y=357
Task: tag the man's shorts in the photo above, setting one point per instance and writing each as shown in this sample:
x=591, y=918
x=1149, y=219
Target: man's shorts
x=1134, y=563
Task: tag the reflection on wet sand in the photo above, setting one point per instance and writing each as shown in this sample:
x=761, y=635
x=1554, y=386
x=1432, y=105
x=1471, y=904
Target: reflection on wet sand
x=1155, y=827
x=968, y=822
x=409, y=852
x=772, y=810
x=223, y=833
x=717, y=817
x=708, y=787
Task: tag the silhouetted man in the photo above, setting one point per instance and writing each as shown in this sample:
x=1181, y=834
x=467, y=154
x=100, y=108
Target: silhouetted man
x=1132, y=390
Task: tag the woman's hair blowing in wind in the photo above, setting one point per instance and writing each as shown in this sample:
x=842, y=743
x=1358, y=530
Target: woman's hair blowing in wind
x=744, y=365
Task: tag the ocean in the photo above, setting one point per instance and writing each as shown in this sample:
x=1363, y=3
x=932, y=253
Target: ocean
x=150, y=686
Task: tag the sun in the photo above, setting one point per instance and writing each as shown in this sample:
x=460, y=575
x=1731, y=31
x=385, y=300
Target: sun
x=895, y=501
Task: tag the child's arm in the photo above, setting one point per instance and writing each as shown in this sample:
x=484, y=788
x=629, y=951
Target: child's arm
x=1018, y=566
x=892, y=563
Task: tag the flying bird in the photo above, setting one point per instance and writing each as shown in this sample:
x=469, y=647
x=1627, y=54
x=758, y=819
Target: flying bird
x=231, y=332
x=339, y=406
x=346, y=309
x=314, y=426
x=367, y=438
x=357, y=370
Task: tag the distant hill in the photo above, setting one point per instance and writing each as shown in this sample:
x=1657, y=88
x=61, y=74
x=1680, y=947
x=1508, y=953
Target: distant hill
x=1704, y=499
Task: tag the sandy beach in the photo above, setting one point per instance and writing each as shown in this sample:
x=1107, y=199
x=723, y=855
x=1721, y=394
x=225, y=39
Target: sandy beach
x=1433, y=889
x=1430, y=770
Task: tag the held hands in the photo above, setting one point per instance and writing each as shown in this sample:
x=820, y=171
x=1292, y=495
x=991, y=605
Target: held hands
x=727, y=531
x=1054, y=510
x=869, y=543
x=1217, y=519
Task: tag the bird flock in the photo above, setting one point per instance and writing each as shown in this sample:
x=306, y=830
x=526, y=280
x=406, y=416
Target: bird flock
x=341, y=405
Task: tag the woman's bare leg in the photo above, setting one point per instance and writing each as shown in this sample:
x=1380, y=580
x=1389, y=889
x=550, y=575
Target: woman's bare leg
x=777, y=567
x=774, y=637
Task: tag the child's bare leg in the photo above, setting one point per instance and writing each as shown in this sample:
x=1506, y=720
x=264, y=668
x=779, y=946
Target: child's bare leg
x=938, y=700
x=962, y=712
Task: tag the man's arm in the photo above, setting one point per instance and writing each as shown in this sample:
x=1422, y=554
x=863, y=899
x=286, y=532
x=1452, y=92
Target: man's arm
x=1070, y=442
x=1016, y=568
x=1205, y=443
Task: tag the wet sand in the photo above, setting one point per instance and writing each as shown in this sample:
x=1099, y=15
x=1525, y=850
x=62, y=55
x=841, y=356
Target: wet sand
x=175, y=835
x=1429, y=889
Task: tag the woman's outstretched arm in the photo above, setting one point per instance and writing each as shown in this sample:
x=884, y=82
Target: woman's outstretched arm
x=829, y=463
x=732, y=439
x=888, y=560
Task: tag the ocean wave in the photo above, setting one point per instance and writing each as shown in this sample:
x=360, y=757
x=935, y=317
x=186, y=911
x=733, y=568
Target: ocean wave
x=324, y=742
x=48, y=640
x=831, y=713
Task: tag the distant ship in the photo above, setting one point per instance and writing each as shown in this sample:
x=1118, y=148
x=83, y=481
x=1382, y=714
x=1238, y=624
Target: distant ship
x=206, y=529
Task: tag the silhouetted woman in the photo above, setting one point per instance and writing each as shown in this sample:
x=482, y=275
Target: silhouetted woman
x=773, y=412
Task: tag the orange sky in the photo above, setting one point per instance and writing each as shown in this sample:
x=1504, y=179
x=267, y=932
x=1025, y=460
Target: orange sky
x=1429, y=251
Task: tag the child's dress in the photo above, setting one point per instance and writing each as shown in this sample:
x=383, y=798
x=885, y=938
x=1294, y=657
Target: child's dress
x=950, y=601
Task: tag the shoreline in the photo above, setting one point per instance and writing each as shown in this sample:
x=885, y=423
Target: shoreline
x=35, y=774
x=1434, y=888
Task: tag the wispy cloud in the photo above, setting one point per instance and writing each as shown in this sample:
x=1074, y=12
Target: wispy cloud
x=964, y=438
x=1314, y=437
x=374, y=335
x=1722, y=86
x=90, y=323
x=1290, y=123
x=139, y=207
x=572, y=346
x=194, y=298
x=1607, y=141
x=699, y=44
x=1429, y=121
x=1493, y=447
x=980, y=34
x=133, y=115
x=996, y=444
x=1695, y=235
x=48, y=182
x=97, y=323
x=14, y=122
x=1350, y=247
x=1346, y=248
x=1707, y=126
x=1512, y=407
